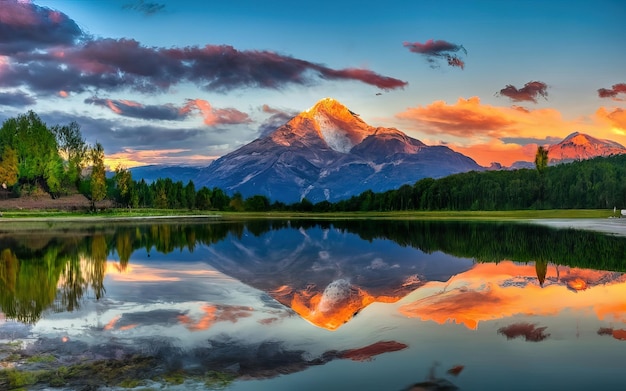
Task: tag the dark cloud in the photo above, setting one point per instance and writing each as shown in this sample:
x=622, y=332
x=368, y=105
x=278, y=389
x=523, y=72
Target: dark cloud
x=212, y=116
x=277, y=119
x=118, y=135
x=133, y=109
x=526, y=330
x=145, y=7
x=25, y=26
x=16, y=99
x=529, y=93
x=110, y=64
x=530, y=140
x=435, y=51
x=612, y=92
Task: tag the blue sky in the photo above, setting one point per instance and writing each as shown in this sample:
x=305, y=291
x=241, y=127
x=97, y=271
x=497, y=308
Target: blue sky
x=171, y=82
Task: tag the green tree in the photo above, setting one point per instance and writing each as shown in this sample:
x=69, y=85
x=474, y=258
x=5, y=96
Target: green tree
x=72, y=148
x=203, y=198
x=53, y=174
x=124, y=185
x=8, y=167
x=190, y=195
x=257, y=203
x=541, y=158
x=33, y=143
x=98, y=187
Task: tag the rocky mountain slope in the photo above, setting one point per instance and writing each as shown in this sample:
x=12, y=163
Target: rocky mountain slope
x=579, y=146
x=329, y=153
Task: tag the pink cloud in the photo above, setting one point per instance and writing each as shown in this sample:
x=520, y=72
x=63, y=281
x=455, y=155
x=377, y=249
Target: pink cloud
x=613, y=92
x=436, y=50
x=529, y=93
x=212, y=116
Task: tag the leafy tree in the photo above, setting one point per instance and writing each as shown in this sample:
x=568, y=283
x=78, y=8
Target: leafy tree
x=33, y=143
x=98, y=187
x=53, y=174
x=72, y=148
x=203, y=199
x=236, y=202
x=8, y=167
x=125, y=187
x=541, y=158
x=257, y=203
x=190, y=195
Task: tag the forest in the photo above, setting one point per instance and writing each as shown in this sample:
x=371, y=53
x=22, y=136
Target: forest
x=58, y=161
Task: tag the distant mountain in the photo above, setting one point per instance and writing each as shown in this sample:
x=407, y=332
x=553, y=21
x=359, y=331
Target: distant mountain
x=176, y=173
x=579, y=146
x=329, y=153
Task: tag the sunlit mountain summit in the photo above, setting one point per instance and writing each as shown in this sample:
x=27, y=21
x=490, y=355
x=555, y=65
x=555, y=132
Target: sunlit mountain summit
x=580, y=146
x=329, y=153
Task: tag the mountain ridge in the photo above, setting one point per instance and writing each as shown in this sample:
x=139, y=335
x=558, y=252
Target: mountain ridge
x=579, y=146
x=328, y=152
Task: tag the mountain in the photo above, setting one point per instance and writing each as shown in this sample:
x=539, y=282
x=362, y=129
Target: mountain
x=579, y=146
x=329, y=153
x=176, y=173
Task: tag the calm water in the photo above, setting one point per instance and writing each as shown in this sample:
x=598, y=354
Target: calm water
x=316, y=305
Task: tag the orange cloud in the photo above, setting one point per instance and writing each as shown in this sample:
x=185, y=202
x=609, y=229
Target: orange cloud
x=478, y=130
x=616, y=118
x=497, y=291
x=213, y=116
x=465, y=118
x=63, y=94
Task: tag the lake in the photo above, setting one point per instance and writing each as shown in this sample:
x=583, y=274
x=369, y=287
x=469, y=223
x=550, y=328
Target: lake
x=311, y=305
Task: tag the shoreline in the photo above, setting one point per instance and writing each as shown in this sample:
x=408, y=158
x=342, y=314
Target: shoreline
x=614, y=226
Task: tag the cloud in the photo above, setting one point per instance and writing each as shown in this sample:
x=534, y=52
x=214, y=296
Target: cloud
x=16, y=99
x=616, y=118
x=612, y=92
x=435, y=51
x=133, y=109
x=471, y=124
x=212, y=116
x=531, y=140
x=277, y=119
x=465, y=118
x=114, y=64
x=25, y=26
x=147, y=8
x=149, y=144
x=528, y=93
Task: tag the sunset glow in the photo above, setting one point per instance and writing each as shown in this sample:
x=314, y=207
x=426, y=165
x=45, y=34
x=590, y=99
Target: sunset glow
x=498, y=291
x=135, y=88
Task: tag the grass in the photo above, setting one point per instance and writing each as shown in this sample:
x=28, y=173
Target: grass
x=124, y=214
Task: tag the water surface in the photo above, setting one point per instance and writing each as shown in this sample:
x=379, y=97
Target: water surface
x=317, y=305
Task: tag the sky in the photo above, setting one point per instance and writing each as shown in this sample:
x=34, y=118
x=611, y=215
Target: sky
x=185, y=82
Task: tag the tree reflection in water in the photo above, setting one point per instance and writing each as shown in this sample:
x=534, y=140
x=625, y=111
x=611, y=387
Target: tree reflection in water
x=60, y=267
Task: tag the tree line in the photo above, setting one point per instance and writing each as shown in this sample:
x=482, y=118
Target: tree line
x=57, y=159
x=35, y=157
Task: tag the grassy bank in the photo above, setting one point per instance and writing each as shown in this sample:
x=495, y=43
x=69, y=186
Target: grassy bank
x=125, y=214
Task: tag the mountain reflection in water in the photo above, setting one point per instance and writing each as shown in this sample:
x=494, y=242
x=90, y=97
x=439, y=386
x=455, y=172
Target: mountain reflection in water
x=258, y=299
